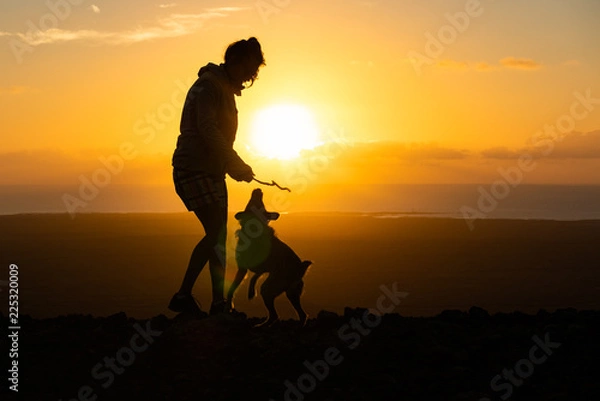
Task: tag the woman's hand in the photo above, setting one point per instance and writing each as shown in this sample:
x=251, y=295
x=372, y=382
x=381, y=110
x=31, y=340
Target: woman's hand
x=242, y=172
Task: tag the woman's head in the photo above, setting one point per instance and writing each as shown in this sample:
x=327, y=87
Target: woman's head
x=243, y=59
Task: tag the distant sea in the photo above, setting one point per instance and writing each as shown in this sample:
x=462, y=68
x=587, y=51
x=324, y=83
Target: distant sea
x=545, y=202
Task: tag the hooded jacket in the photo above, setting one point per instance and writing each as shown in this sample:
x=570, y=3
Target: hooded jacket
x=209, y=124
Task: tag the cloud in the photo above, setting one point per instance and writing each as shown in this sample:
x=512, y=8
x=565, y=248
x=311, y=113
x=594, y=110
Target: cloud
x=172, y=26
x=56, y=167
x=520, y=63
x=501, y=153
x=578, y=145
x=572, y=63
x=227, y=9
x=168, y=5
x=453, y=65
x=388, y=150
x=481, y=66
x=95, y=8
x=575, y=145
x=576, y=158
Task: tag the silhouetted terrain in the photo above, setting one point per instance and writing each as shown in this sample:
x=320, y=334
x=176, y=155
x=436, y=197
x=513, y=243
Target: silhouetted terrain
x=453, y=356
x=97, y=265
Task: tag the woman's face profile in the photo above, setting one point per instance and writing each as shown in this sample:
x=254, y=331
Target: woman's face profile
x=244, y=71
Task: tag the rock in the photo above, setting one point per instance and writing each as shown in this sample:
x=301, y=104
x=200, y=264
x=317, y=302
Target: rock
x=326, y=317
x=478, y=313
x=452, y=315
x=357, y=313
x=116, y=319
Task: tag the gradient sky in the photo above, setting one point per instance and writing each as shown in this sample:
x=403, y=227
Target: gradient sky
x=80, y=80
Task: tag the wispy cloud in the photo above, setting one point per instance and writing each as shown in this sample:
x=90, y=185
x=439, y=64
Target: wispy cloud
x=168, y=5
x=484, y=67
x=520, y=63
x=227, y=9
x=95, y=8
x=172, y=26
x=512, y=63
x=453, y=65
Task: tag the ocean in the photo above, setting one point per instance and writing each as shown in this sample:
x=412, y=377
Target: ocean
x=545, y=202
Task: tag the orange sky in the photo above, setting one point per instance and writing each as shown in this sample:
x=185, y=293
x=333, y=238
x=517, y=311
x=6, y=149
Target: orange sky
x=402, y=92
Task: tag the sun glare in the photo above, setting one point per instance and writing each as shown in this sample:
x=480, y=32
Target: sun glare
x=282, y=131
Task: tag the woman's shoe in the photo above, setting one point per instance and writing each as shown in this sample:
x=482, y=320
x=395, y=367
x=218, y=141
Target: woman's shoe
x=184, y=303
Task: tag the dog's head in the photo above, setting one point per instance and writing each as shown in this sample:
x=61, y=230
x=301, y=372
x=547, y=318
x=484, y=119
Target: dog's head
x=256, y=209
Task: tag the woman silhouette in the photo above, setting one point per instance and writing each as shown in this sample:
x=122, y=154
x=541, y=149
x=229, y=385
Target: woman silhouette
x=203, y=156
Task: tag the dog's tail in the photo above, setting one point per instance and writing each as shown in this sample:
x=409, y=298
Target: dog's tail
x=304, y=265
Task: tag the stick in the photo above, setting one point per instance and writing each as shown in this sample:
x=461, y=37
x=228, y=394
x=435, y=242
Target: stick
x=272, y=184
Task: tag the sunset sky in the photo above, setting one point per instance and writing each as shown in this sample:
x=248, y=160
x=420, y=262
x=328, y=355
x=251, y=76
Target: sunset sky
x=399, y=91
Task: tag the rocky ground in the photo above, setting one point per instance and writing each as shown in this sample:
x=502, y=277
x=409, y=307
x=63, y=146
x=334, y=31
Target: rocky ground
x=456, y=355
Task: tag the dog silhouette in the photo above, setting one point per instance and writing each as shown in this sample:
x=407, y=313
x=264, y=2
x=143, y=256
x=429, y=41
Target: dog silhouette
x=260, y=251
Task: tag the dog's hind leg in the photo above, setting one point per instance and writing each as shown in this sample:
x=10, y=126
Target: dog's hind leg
x=252, y=285
x=269, y=301
x=269, y=290
x=293, y=293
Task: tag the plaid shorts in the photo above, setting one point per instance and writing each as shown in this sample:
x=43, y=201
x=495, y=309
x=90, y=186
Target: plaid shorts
x=197, y=188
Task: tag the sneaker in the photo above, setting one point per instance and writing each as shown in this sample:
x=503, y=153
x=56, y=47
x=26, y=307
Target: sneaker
x=184, y=303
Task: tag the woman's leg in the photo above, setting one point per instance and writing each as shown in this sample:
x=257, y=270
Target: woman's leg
x=217, y=256
x=211, y=248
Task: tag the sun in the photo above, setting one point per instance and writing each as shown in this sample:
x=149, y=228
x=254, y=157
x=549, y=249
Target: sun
x=283, y=131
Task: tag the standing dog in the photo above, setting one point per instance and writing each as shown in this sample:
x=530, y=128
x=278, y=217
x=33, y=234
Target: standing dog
x=259, y=250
